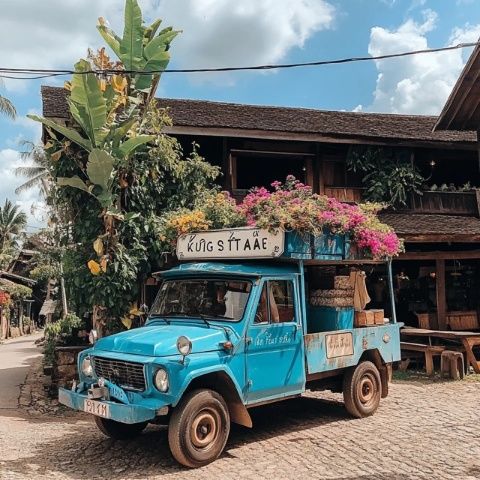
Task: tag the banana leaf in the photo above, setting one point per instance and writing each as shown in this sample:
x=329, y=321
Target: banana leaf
x=113, y=41
x=75, y=182
x=100, y=168
x=128, y=147
x=87, y=103
x=150, y=31
x=157, y=63
x=69, y=133
x=161, y=42
x=131, y=45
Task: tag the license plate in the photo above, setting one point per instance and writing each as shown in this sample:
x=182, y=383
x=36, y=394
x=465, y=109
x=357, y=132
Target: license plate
x=96, y=408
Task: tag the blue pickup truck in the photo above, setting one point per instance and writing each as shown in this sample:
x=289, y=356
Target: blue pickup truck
x=233, y=327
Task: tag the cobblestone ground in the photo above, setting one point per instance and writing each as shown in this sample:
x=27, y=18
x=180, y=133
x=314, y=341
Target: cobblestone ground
x=421, y=431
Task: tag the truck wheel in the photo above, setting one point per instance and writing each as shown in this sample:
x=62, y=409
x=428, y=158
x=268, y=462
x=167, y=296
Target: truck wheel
x=118, y=430
x=199, y=428
x=362, y=389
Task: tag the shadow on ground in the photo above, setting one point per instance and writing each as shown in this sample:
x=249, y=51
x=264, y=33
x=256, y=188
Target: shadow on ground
x=84, y=452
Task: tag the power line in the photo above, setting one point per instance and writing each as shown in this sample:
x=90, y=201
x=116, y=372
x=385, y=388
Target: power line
x=35, y=74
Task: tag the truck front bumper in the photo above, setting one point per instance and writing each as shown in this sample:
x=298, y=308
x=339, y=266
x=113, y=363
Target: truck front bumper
x=117, y=411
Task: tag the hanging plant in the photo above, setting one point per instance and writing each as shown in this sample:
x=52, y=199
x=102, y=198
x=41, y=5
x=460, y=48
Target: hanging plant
x=389, y=175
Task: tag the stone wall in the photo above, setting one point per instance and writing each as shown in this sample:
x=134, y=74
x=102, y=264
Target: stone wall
x=65, y=368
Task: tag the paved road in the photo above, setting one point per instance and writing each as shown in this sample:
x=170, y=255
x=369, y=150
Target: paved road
x=421, y=431
x=15, y=358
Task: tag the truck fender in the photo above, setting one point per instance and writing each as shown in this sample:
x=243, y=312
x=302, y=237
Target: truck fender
x=384, y=368
x=223, y=383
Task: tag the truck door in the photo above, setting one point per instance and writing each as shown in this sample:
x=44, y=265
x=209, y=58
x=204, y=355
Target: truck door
x=274, y=343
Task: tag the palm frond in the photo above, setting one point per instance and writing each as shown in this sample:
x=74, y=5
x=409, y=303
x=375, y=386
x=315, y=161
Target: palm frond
x=34, y=181
x=7, y=107
x=29, y=171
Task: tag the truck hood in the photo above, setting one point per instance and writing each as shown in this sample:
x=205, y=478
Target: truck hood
x=161, y=340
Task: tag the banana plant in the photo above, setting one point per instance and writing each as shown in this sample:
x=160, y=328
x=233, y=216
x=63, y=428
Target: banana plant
x=92, y=110
x=140, y=48
x=100, y=167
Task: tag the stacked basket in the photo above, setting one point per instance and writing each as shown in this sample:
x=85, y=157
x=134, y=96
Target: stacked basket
x=340, y=296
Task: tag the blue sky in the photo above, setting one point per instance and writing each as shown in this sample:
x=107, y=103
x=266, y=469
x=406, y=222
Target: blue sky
x=55, y=33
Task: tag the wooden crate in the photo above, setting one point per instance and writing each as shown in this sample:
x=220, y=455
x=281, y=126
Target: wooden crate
x=463, y=320
x=364, y=318
x=427, y=320
x=378, y=315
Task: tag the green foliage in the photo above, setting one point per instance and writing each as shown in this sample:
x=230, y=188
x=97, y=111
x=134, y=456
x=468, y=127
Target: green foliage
x=140, y=48
x=389, y=176
x=110, y=192
x=12, y=223
x=44, y=272
x=60, y=333
x=17, y=291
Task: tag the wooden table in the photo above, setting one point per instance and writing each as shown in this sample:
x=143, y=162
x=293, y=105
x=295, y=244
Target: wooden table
x=467, y=339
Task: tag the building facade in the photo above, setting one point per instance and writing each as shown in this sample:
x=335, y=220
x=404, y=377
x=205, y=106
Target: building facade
x=439, y=274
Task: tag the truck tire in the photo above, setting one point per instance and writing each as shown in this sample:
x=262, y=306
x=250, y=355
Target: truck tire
x=199, y=428
x=362, y=389
x=118, y=430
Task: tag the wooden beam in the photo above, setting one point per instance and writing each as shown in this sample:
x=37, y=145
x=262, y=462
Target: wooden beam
x=439, y=238
x=321, y=173
x=440, y=255
x=317, y=137
x=478, y=146
x=271, y=153
x=441, y=294
x=309, y=175
x=225, y=164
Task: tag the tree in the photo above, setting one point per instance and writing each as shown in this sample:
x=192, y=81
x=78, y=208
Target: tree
x=115, y=173
x=6, y=107
x=12, y=223
x=38, y=174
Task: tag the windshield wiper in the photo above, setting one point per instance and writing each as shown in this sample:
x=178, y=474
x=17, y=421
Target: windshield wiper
x=159, y=317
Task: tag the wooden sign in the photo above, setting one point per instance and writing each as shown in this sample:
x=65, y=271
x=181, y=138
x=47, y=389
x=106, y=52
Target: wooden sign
x=236, y=243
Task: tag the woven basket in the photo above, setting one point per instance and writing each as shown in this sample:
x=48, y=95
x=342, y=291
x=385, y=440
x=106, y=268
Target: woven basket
x=331, y=302
x=342, y=282
x=333, y=293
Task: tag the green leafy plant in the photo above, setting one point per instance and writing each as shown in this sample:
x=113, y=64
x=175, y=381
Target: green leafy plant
x=389, y=176
x=115, y=174
x=59, y=333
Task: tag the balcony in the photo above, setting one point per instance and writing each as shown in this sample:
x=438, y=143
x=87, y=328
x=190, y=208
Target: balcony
x=447, y=203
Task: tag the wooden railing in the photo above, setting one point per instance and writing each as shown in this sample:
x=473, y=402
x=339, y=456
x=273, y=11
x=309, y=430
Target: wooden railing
x=448, y=203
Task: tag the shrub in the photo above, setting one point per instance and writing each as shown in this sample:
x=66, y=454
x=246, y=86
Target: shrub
x=60, y=333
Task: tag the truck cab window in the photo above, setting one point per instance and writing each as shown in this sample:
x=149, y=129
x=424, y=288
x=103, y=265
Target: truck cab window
x=276, y=303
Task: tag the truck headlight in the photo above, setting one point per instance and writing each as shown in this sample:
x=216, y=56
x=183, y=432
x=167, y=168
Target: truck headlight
x=184, y=345
x=87, y=367
x=161, y=380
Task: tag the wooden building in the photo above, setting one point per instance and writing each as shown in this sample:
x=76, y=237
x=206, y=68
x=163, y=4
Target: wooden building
x=438, y=276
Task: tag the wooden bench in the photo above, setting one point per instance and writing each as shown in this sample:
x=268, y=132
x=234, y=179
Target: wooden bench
x=428, y=350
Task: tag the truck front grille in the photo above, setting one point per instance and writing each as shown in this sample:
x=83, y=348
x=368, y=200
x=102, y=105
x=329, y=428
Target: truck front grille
x=129, y=375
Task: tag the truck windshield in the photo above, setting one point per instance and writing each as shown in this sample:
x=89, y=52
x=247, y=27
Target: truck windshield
x=218, y=299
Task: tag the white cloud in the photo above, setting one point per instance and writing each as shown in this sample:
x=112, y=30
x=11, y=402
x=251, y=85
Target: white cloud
x=56, y=33
x=219, y=33
x=29, y=201
x=417, y=84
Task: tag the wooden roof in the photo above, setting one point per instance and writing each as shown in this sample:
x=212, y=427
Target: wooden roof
x=17, y=278
x=462, y=110
x=198, y=117
x=434, y=228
